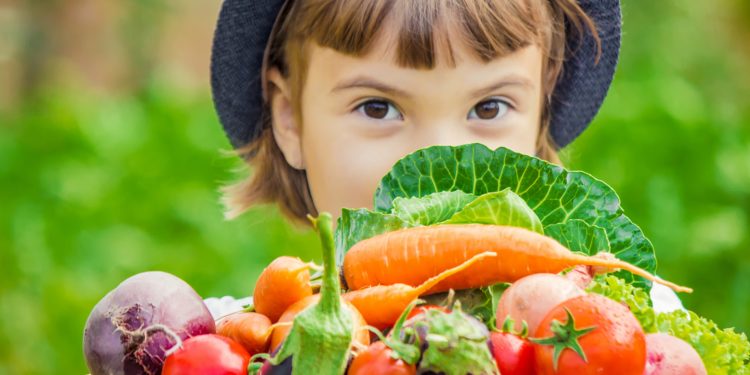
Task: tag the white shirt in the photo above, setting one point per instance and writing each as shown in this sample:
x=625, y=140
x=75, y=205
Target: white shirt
x=664, y=299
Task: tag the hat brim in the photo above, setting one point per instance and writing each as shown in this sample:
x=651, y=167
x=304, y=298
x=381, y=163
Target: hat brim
x=244, y=27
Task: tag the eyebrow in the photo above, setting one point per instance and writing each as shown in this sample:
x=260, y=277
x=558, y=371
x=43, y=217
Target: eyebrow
x=513, y=80
x=369, y=83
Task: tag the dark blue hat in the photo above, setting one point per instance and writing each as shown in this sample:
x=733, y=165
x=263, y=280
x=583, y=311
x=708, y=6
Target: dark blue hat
x=245, y=26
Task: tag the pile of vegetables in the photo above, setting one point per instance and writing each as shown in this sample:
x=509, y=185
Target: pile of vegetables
x=473, y=261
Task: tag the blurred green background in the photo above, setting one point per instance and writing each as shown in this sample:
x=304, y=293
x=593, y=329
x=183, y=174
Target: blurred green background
x=111, y=158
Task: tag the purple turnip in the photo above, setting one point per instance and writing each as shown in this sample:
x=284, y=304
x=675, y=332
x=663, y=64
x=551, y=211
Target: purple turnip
x=134, y=327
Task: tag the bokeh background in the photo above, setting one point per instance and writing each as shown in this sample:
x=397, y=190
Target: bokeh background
x=111, y=158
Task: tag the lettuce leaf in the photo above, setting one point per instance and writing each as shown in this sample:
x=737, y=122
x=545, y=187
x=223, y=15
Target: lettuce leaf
x=556, y=195
x=723, y=351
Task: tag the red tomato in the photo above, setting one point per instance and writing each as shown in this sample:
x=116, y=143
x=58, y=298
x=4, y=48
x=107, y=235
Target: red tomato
x=514, y=355
x=590, y=334
x=377, y=360
x=207, y=355
x=423, y=309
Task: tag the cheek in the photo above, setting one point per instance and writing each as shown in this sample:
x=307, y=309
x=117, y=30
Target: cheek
x=519, y=131
x=343, y=169
x=522, y=138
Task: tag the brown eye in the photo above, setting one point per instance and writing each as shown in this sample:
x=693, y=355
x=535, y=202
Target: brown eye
x=489, y=110
x=376, y=109
x=380, y=110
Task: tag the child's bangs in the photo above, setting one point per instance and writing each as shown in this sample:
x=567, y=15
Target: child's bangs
x=490, y=28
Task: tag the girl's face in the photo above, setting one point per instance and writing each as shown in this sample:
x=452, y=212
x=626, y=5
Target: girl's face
x=361, y=114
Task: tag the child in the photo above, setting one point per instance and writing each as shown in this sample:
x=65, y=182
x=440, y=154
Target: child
x=322, y=97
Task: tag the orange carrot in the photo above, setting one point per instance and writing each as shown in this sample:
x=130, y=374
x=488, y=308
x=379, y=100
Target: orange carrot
x=381, y=305
x=285, y=281
x=413, y=255
x=251, y=330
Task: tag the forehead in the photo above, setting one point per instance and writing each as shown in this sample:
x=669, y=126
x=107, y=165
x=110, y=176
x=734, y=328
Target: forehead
x=330, y=70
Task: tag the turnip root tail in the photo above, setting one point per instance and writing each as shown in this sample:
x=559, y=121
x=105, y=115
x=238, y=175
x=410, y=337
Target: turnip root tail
x=141, y=335
x=432, y=281
x=616, y=263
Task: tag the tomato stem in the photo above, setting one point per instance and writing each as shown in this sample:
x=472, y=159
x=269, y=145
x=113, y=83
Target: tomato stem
x=564, y=336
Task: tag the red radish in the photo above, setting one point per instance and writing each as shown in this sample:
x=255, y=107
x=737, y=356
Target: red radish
x=285, y=281
x=413, y=255
x=514, y=354
x=131, y=330
x=668, y=355
x=208, y=355
x=251, y=330
x=532, y=297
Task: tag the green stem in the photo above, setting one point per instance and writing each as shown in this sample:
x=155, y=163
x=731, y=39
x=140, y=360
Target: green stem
x=330, y=299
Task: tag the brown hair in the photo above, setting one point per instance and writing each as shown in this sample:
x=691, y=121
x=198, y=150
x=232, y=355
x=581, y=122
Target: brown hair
x=491, y=28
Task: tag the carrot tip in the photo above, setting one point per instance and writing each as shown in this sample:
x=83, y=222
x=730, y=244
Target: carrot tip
x=673, y=286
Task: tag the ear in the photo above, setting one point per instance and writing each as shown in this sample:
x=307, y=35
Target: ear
x=286, y=131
